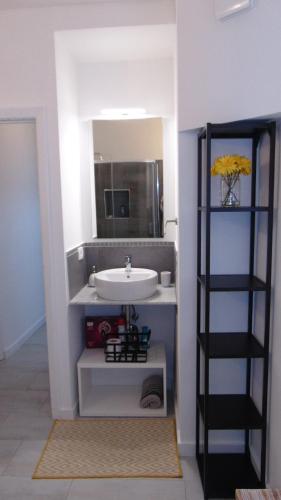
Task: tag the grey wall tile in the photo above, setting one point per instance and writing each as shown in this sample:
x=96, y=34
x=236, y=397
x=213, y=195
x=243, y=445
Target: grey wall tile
x=77, y=273
x=91, y=256
x=158, y=256
x=155, y=257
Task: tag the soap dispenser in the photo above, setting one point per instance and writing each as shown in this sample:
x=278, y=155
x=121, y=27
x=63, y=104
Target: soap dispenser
x=91, y=281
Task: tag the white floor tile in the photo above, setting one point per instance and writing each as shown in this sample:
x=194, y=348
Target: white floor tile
x=26, y=427
x=8, y=449
x=96, y=489
x=15, y=488
x=40, y=337
x=127, y=489
x=40, y=382
x=24, y=363
x=25, y=458
x=45, y=409
x=3, y=416
x=152, y=489
x=15, y=379
x=194, y=490
x=23, y=401
x=30, y=357
x=190, y=470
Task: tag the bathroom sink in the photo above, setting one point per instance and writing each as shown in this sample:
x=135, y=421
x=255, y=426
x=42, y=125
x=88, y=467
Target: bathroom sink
x=120, y=284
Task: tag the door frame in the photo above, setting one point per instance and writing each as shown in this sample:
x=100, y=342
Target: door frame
x=50, y=222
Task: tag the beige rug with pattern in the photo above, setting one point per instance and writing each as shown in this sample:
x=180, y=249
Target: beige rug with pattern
x=110, y=448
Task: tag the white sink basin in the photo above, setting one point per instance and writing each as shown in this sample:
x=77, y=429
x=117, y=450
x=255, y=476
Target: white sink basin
x=118, y=284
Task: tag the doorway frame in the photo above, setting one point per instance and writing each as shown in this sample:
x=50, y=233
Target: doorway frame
x=48, y=231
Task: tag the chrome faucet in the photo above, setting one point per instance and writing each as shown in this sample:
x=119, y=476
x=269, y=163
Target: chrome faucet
x=128, y=263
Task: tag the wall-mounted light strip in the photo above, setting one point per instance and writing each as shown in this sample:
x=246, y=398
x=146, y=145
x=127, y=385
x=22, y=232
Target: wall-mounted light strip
x=123, y=111
x=123, y=114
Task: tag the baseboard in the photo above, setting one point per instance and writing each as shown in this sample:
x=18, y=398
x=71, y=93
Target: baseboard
x=24, y=337
x=186, y=449
x=64, y=413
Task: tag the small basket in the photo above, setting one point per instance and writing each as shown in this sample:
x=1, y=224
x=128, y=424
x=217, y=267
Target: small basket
x=133, y=348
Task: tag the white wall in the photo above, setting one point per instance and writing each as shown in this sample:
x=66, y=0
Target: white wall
x=186, y=293
x=28, y=81
x=227, y=70
x=69, y=139
x=22, y=307
x=274, y=443
x=147, y=84
x=76, y=154
x=170, y=176
x=87, y=180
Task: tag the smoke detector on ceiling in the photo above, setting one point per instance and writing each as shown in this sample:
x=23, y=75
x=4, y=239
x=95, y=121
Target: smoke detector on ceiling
x=226, y=8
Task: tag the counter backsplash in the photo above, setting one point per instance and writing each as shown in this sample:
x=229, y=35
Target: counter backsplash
x=159, y=256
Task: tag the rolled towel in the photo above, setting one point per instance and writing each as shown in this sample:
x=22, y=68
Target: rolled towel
x=152, y=392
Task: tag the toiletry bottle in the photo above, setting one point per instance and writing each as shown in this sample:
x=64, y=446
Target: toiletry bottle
x=92, y=277
x=121, y=327
x=145, y=335
x=134, y=337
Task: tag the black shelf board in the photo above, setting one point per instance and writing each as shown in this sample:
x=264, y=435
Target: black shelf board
x=232, y=282
x=232, y=345
x=231, y=411
x=236, y=130
x=235, y=209
x=228, y=472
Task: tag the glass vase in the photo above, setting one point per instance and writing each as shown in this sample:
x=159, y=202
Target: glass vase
x=230, y=190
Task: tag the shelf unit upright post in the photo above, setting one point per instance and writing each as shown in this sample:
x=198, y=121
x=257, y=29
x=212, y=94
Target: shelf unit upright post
x=222, y=473
x=255, y=143
x=272, y=134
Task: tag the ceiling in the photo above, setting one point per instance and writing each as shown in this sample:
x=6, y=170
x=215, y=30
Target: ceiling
x=16, y=4
x=120, y=44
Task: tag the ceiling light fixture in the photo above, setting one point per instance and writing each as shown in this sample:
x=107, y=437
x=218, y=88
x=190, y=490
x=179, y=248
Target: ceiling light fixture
x=123, y=113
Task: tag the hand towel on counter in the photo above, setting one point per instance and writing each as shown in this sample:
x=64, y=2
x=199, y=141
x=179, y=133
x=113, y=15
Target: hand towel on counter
x=152, y=392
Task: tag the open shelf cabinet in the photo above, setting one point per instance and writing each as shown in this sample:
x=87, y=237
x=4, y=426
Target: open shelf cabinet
x=222, y=473
x=114, y=389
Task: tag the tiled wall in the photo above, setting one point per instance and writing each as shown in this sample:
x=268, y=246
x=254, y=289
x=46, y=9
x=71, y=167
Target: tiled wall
x=138, y=178
x=159, y=256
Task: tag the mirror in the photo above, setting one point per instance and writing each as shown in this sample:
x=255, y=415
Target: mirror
x=128, y=178
x=129, y=199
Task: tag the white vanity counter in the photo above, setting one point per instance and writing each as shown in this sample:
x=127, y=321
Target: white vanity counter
x=88, y=296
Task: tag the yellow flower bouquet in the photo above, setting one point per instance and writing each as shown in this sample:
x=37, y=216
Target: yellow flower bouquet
x=230, y=167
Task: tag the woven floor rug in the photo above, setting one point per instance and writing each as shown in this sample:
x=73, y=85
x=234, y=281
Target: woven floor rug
x=258, y=495
x=102, y=448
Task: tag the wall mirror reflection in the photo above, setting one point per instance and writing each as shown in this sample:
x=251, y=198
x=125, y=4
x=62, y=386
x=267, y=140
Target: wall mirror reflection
x=128, y=173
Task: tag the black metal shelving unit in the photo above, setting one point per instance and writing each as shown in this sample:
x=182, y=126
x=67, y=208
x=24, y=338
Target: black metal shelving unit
x=222, y=473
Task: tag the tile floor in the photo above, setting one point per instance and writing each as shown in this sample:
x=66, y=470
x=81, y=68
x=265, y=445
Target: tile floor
x=25, y=421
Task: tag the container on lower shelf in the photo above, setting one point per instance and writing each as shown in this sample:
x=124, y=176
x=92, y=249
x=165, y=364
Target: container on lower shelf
x=132, y=348
x=115, y=389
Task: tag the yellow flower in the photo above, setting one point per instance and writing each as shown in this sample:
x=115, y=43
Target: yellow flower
x=231, y=165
